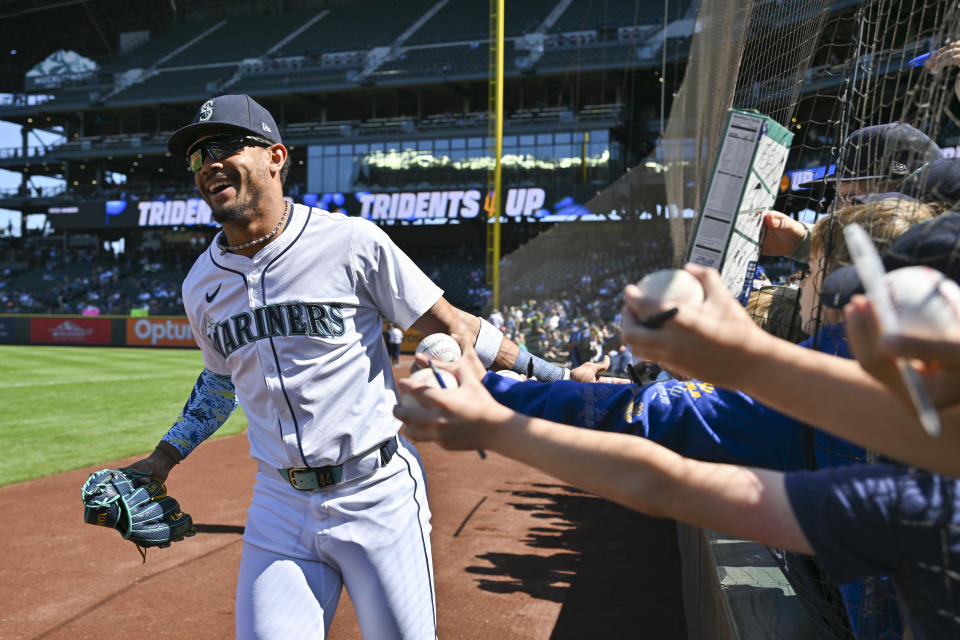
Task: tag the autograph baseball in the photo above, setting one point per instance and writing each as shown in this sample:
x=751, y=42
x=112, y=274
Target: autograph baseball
x=426, y=376
x=438, y=346
x=926, y=301
x=668, y=288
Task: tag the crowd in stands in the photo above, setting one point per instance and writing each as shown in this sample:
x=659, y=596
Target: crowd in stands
x=575, y=317
x=42, y=280
x=565, y=310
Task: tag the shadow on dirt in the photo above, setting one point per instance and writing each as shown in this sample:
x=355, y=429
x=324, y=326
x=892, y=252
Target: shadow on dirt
x=615, y=571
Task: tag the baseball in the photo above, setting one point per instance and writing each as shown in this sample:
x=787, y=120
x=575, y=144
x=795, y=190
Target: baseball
x=426, y=376
x=926, y=301
x=438, y=346
x=665, y=289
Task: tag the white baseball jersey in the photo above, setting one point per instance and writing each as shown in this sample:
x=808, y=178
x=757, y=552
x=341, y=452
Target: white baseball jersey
x=298, y=327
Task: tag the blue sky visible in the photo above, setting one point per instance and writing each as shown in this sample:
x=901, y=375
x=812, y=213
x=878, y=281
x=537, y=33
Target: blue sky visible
x=10, y=136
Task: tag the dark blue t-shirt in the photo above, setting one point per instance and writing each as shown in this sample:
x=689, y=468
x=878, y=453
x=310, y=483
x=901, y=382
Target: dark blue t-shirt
x=873, y=520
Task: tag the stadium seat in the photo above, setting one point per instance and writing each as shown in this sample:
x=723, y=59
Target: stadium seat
x=161, y=44
x=190, y=84
x=242, y=37
x=357, y=26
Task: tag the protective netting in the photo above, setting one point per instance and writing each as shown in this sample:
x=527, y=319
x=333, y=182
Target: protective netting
x=845, y=79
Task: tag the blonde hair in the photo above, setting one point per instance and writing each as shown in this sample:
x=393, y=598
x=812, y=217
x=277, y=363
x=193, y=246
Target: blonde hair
x=884, y=220
x=777, y=311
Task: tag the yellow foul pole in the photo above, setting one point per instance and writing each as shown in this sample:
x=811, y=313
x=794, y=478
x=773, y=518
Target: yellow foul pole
x=495, y=132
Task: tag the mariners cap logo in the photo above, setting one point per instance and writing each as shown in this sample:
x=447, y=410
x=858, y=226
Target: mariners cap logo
x=206, y=111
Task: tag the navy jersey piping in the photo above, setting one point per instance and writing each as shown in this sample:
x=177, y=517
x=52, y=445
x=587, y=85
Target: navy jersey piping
x=273, y=347
x=220, y=266
x=423, y=538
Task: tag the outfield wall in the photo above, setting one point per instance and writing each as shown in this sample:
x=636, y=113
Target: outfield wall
x=116, y=331
x=103, y=331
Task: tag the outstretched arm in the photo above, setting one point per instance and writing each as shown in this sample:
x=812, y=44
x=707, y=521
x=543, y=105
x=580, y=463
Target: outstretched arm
x=750, y=503
x=210, y=404
x=946, y=56
x=718, y=342
x=495, y=349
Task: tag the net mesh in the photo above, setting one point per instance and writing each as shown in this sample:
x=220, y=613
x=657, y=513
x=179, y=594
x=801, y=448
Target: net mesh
x=825, y=70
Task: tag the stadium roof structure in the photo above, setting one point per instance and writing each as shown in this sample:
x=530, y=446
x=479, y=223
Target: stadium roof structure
x=330, y=70
x=320, y=45
x=32, y=29
x=340, y=72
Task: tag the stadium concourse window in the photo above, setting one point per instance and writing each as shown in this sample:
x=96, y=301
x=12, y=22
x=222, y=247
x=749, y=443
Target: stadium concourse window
x=544, y=160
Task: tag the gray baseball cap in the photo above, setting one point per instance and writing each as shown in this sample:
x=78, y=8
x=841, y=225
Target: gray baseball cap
x=227, y=113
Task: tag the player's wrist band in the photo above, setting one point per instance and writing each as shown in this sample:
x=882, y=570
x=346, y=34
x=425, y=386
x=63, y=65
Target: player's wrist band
x=169, y=451
x=488, y=342
x=542, y=370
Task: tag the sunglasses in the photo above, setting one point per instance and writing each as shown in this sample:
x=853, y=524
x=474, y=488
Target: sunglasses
x=221, y=147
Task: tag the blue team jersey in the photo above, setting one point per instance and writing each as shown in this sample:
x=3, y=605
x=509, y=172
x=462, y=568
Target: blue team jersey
x=692, y=417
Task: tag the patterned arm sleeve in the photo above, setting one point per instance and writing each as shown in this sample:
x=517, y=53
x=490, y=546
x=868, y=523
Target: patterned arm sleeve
x=210, y=404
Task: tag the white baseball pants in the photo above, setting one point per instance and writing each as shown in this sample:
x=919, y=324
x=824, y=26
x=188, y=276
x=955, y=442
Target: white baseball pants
x=371, y=535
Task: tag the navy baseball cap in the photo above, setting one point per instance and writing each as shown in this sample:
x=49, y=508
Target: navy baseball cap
x=933, y=243
x=225, y=114
x=890, y=151
x=939, y=181
x=868, y=198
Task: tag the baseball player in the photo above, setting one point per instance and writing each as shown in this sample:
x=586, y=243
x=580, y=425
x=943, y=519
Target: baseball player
x=287, y=305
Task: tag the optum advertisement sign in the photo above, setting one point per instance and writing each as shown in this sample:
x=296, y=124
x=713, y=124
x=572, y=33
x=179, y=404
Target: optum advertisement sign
x=159, y=332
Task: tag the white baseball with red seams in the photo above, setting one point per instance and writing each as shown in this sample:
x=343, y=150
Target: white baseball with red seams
x=297, y=327
x=926, y=301
x=428, y=378
x=438, y=346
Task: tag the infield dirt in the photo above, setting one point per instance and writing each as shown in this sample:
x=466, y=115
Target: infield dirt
x=517, y=554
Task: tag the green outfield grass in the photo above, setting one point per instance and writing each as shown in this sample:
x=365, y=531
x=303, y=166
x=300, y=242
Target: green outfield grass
x=63, y=408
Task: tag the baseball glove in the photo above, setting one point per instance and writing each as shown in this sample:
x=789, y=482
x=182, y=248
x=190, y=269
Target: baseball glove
x=137, y=506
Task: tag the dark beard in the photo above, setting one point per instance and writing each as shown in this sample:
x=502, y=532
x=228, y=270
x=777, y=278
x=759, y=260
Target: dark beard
x=230, y=214
x=238, y=212
x=242, y=211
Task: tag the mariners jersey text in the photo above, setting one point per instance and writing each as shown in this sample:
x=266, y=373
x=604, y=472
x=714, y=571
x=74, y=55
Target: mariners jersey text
x=274, y=321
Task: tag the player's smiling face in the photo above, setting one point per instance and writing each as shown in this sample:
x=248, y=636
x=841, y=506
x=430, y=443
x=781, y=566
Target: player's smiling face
x=234, y=186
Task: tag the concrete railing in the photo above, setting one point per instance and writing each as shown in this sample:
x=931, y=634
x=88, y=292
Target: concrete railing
x=734, y=590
